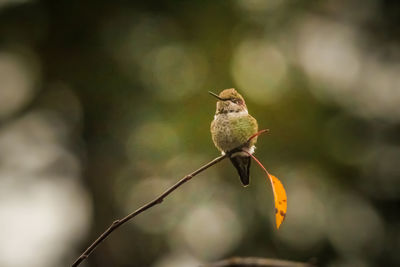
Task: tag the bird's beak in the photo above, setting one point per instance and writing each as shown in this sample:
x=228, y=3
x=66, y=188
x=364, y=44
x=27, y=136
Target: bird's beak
x=215, y=95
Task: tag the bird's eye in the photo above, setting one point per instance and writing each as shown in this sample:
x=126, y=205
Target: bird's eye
x=237, y=101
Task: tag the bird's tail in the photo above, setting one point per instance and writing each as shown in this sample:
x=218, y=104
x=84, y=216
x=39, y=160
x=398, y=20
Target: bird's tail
x=242, y=165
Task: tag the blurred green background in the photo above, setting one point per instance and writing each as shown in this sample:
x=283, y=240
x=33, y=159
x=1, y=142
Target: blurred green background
x=104, y=104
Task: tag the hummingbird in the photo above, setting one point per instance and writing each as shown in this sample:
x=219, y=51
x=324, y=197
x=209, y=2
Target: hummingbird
x=232, y=127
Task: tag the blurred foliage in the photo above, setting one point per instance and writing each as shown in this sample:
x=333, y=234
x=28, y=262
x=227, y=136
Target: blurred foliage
x=103, y=105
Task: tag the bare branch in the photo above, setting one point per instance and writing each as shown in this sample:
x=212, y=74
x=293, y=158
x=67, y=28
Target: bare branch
x=256, y=262
x=147, y=206
x=116, y=224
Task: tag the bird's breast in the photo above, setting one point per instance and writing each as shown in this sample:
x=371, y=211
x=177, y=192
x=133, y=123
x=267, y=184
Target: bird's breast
x=231, y=130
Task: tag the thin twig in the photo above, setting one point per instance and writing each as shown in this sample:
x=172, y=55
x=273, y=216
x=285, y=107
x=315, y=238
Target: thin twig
x=256, y=262
x=156, y=201
x=257, y=134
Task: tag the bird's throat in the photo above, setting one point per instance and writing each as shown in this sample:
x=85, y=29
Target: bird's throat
x=231, y=113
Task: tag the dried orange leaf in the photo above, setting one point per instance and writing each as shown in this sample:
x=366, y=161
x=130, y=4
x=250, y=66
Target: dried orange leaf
x=279, y=195
x=280, y=199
